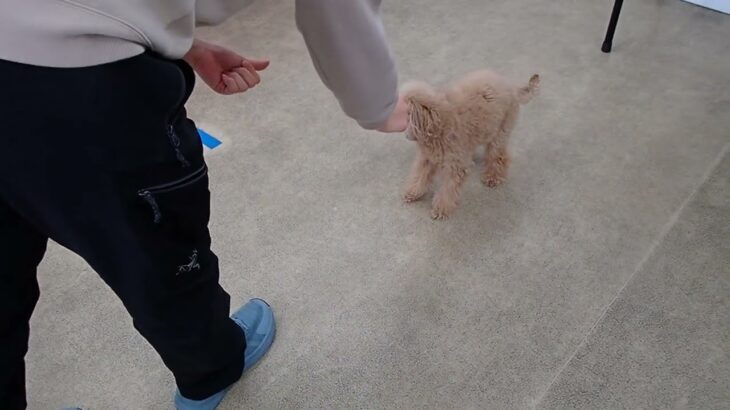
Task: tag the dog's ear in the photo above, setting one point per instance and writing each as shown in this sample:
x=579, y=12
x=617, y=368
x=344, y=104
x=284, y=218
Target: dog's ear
x=429, y=115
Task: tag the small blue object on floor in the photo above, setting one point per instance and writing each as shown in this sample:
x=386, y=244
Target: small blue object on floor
x=257, y=321
x=208, y=140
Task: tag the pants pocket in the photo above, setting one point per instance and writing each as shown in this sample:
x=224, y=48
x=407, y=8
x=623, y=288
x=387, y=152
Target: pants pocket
x=180, y=207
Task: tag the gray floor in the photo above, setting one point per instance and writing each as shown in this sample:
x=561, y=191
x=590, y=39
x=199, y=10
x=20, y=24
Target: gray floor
x=597, y=277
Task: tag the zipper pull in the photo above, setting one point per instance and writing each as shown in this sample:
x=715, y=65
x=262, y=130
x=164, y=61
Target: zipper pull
x=147, y=195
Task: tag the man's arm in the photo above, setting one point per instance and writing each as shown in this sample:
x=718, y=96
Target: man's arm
x=347, y=43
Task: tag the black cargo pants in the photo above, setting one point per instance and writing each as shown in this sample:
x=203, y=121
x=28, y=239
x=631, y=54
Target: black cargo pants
x=104, y=161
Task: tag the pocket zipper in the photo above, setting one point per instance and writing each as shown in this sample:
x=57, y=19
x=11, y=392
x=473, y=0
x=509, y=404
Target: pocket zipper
x=175, y=141
x=148, y=193
x=173, y=116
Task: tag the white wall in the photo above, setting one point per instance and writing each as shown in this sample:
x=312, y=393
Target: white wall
x=720, y=5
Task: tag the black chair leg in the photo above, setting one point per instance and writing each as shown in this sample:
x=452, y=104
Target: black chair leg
x=608, y=42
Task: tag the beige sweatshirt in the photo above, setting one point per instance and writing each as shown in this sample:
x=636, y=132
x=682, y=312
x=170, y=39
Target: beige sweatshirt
x=345, y=39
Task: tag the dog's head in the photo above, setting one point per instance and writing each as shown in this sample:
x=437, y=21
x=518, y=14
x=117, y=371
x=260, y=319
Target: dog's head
x=430, y=116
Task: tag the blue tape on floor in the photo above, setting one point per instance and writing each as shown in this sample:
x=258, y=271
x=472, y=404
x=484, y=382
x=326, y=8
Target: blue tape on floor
x=209, y=140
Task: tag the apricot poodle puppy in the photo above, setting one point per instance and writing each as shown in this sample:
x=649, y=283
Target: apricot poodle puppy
x=449, y=124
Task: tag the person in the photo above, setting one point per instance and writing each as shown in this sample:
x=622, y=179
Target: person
x=97, y=154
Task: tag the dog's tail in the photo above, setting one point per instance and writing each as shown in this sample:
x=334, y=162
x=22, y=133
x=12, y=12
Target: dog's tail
x=525, y=94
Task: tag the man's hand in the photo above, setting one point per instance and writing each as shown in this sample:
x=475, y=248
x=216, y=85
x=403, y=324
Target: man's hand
x=223, y=70
x=398, y=120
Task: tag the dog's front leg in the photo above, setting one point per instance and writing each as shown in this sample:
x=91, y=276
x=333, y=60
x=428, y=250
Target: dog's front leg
x=420, y=179
x=447, y=197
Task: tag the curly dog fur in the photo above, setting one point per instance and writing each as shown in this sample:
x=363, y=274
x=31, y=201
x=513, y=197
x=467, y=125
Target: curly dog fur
x=449, y=124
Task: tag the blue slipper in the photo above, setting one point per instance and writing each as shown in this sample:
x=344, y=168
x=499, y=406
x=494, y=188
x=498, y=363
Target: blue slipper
x=257, y=321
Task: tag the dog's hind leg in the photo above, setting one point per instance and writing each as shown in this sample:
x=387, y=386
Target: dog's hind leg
x=496, y=164
x=448, y=194
x=497, y=158
x=420, y=179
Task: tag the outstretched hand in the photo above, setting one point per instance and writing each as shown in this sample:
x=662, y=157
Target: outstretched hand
x=398, y=120
x=223, y=70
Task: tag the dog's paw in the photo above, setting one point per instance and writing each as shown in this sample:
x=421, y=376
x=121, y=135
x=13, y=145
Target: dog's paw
x=440, y=213
x=410, y=197
x=493, y=180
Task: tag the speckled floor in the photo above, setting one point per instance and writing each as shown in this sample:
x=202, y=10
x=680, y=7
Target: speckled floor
x=597, y=277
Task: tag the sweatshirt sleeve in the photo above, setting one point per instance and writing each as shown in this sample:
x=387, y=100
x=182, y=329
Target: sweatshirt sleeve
x=347, y=43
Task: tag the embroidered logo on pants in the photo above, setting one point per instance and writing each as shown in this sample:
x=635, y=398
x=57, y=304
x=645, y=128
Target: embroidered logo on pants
x=193, y=264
